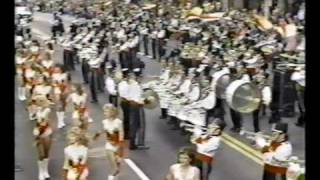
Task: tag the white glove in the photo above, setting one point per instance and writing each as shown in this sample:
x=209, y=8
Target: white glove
x=36, y=132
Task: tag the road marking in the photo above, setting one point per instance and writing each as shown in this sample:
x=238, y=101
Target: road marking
x=237, y=148
x=100, y=152
x=136, y=169
x=243, y=146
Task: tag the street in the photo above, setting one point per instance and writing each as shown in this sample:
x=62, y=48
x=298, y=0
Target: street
x=164, y=143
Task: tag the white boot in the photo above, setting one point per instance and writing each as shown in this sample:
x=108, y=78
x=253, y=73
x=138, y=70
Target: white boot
x=111, y=177
x=23, y=94
x=60, y=118
x=40, y=167
x=45, y=168
x=31, y=116
x=20, y=93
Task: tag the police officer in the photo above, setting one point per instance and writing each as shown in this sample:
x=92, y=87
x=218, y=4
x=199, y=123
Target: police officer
x=124, y=102
x=266, y=99
x=93, y=79
x=136, y=114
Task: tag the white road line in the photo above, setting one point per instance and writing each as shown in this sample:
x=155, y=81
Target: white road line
x=136, y=169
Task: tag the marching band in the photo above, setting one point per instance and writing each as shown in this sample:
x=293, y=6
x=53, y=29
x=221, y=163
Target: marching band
x=216, y=65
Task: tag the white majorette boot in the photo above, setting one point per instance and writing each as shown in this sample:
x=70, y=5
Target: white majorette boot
x=20, y=93
x=40, y=167
x=32, y=116
x=60, y=118
x=111, y=177
x=23, y=94
x=45, y=168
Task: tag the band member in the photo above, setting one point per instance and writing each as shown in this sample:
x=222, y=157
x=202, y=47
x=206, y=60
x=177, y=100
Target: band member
x=113, y=129
x=164, y=78
x=78, y=98
x=94, y=80
x=111, y=87
x=236, y=117
x=85, y=68
x=60, y=92
x=68, y=55
x=29, y=74
x=207, y=146
x=174, y=106
x=123, y=54
x=161, y=42
x=299, y=78
x=184, y=169
x=42, y=87
x=47, y=62
x=123, y=89
x=75, y=156
x=276, y=152
x=266, y=99
x=34, y=51
x=144, y=32
x=206, y=103
x=20, y=68
x=43, y=135
x=171, y=85
x=154, y=34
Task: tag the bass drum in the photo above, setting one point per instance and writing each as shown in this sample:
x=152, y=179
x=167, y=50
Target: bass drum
x=222, y=80
x=243, y=96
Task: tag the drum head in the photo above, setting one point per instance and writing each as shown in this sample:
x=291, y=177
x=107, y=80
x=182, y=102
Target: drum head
x=243, y=96
x=222, y=84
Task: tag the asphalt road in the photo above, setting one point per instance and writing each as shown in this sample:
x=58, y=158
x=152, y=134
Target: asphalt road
x=164, y=143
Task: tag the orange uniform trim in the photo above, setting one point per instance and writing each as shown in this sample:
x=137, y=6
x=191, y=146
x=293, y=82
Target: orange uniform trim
x=80, y=168
x=275, y=169
x=204, y=158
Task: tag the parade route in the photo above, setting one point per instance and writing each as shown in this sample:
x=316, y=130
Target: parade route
x=232, y=161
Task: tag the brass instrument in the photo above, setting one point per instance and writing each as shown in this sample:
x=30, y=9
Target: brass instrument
x=262, y=22
x=192, y=51
x=151, y=99
x=118, y=76
x=285, y=66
